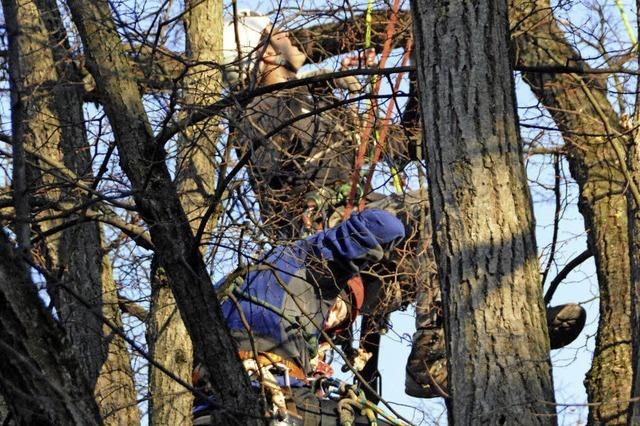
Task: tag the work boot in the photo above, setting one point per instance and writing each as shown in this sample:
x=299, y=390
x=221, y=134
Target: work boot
x=426, y=372
x=565, y=323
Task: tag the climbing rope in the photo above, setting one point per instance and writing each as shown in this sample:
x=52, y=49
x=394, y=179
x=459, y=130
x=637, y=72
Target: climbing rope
x=397, y=183
x=372, y=111
x=627, y=24
x=353, y=401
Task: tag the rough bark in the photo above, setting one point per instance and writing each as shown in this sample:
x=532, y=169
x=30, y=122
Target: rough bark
x=633, y=162
x=634, y=245
x=34, y=124
x=157, y=201
x=171, y=344
x=115, y=389
x=497, y=343
x=84, y=263
x=40, y=378
x=201, y=87
x=37, y=128
x=580, y=107
x=56, y=132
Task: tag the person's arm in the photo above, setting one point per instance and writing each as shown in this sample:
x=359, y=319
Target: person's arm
x=360, y=240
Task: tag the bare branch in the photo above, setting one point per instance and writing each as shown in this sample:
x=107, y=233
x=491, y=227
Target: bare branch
x=574, y=263
x=132, y=308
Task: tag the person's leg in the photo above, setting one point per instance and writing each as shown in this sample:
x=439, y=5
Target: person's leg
x=565, y=323
x=426, y=371
x=427, y=365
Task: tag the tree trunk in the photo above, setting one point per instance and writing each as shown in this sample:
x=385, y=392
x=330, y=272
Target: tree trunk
x=115, y=389
x=634, y=239
x=40, y=378
x=497, y=343
x=171, y=344
x=156, y=198
x=84, y=262
x=35, y=127
x=633, y=163
x=580, y=108
x=52, y=101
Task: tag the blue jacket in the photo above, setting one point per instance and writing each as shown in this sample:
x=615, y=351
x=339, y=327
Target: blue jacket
x=286, y=296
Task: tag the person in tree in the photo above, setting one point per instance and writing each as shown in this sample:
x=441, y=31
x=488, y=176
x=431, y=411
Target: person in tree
x=301, y=168
x=301, y=145
x=281, y=309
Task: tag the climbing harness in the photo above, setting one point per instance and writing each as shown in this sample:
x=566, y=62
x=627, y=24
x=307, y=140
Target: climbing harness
x=260, y=369
x=268, y=359
x=351, y=402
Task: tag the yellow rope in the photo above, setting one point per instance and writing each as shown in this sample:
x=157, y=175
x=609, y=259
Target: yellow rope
x=367, y=20
x=627, y=24
x=397, y=182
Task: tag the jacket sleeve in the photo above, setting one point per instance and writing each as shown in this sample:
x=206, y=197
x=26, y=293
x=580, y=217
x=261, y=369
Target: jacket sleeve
x=362, y=239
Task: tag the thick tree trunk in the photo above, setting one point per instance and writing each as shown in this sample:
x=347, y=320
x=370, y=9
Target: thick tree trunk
x=497, y=343
x=83, y=260
x=633, y=162
x=634, y=244
x=52, y=113
x=40, y=377
x=171, y=344
x=156, y=198
x=581, y=110
x=35, y=127
x=115, y=389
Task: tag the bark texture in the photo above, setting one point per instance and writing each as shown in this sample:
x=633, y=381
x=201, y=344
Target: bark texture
x=633, y=162
x=634, y=235
x=171, y=344
x=34, y=123
x=50, y=108
x=588, y=122
x=115, y=389
x=157, y=201
x=497, y=342
x=40, y=378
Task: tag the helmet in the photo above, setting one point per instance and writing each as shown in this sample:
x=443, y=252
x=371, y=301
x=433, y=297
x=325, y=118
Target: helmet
x=251, y=26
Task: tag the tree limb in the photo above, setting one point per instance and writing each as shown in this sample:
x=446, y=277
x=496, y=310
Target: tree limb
x=132, y=308
x=574, y=263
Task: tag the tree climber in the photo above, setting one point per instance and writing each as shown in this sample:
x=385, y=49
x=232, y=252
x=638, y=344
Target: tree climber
x=304, y=164
x=278, y=309
x=300, y=163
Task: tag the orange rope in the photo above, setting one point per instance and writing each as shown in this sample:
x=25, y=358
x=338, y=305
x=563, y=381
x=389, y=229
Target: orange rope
x=386, y=124
x=366, y=133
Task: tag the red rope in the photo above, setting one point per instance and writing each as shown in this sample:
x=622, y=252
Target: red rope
x=366, y=133
x=386, y=124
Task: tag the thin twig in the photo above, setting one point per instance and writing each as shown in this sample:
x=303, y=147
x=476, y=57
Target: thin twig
x=556, y=218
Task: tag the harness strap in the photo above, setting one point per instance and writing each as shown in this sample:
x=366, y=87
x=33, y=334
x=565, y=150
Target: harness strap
x=265, y=359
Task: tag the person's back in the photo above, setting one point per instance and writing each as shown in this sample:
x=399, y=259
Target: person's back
x=286, y=296
x=307, y=154
x=278, y=309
